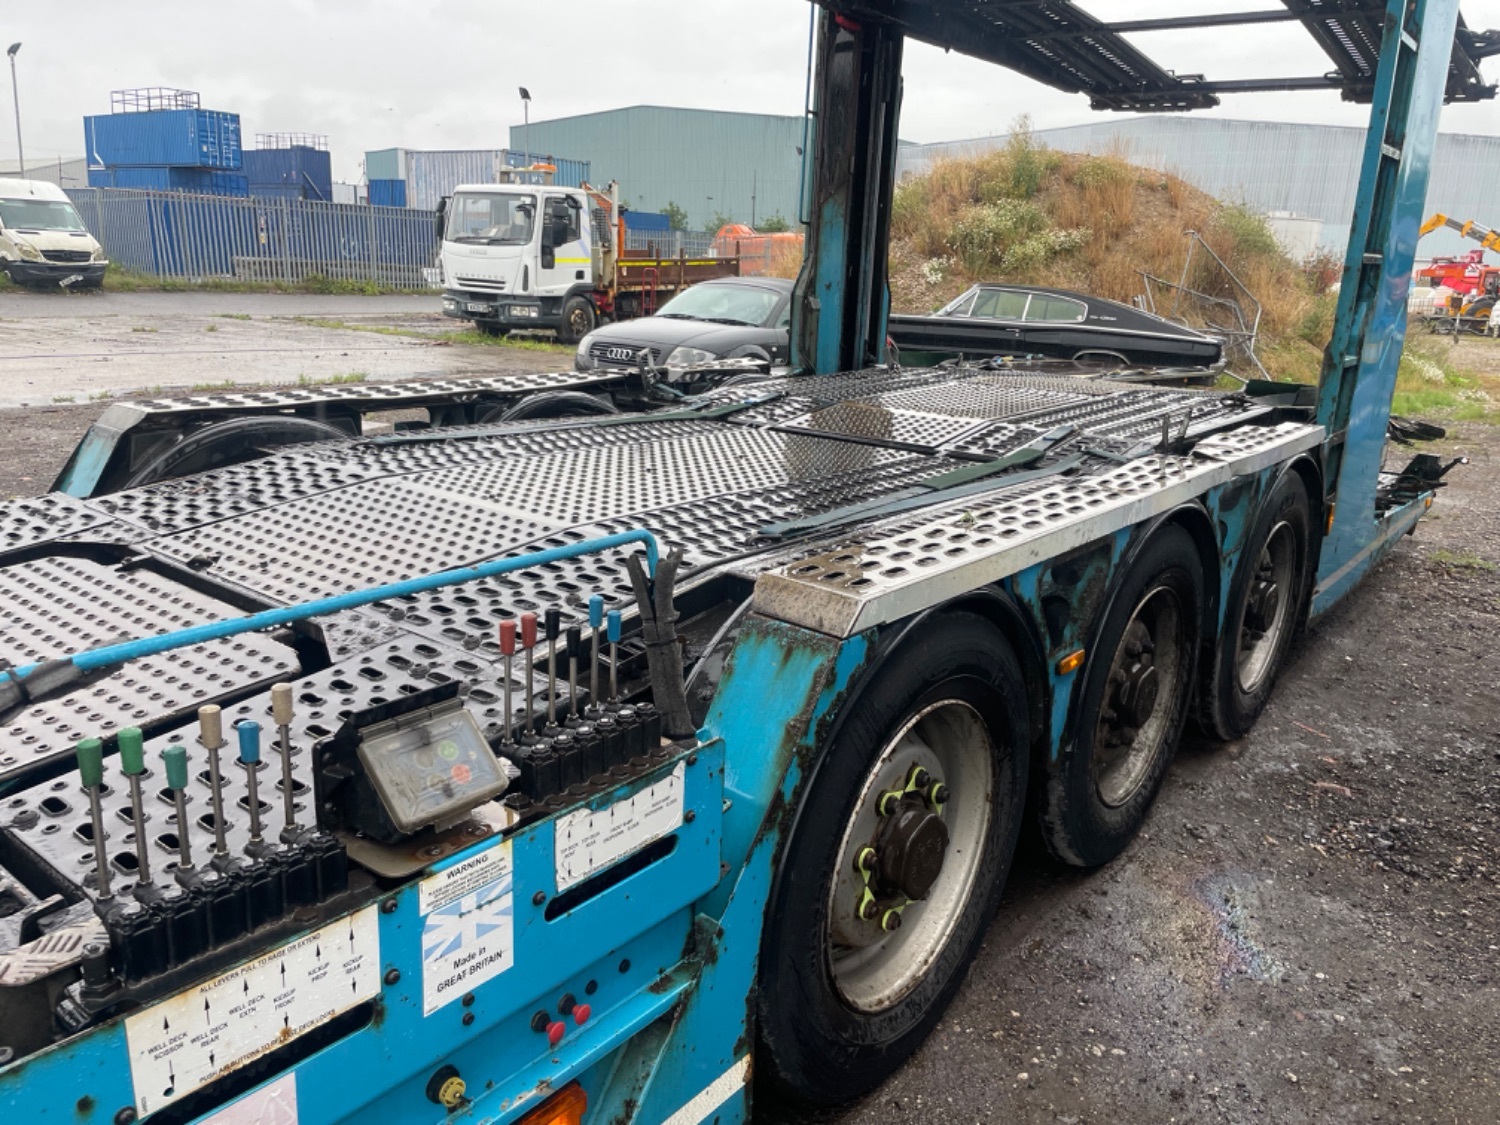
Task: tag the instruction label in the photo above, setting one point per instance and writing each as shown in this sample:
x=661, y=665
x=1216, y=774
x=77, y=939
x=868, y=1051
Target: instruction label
x=590, y=840
x=203, y=1033
x=468, y=926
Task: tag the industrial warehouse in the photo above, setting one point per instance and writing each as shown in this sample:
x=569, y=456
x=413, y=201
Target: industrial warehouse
x=574, y=571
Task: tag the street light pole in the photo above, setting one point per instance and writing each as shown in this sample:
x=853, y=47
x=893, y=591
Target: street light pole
x=16, y=98
x=526, y=110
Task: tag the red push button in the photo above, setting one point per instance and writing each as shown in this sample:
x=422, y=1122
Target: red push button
x=581, y=1014
x=555, y=1032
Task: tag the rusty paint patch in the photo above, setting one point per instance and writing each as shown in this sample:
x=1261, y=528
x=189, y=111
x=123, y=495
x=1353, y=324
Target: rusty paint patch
x=85, y=1105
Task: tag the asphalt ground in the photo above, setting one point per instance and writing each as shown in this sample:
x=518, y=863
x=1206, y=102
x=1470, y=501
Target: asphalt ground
x=65, y=348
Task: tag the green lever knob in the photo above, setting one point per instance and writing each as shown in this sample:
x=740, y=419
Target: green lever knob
x=132, y=751
x=91, y=762
x=175, y=757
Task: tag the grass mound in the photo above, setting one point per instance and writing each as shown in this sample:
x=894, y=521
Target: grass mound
x=1024, y=213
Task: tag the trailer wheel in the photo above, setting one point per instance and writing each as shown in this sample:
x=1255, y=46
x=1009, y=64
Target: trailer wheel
x=548, y=404
x=895, y=865
x=1136, y=692
x=231, y=442
x=1265, y=605
x=578, y=320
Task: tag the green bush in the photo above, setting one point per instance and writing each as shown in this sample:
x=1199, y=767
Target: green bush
x=1102, y=171
x=1317, y=325
x=1027, y=162
x=1041, y=248
x=677, y=217
x=1247, y=230
x=984, y=234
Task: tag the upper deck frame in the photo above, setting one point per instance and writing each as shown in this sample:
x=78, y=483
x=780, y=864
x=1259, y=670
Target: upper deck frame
x=1058, y=43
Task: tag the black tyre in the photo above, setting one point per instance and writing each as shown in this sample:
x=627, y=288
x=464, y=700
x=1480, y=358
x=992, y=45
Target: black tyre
x=548, y=404
x=578, y=320
x=231, y=442
x=847, y=994
x=492, y=328
x=1266, y=602
x=1137, y=688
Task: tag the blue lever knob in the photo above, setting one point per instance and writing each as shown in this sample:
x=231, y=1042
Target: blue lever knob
x=249, y=742
x=596, y=611
x=614, y=626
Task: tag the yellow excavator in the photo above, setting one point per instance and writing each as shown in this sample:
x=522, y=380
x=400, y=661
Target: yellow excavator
x=1475, y=285
x=1487, y=238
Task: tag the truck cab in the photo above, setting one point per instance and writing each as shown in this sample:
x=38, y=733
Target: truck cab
x=43, y=242
x=520, y=256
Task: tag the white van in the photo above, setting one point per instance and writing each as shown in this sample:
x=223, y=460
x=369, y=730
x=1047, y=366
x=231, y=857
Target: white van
x=42, y=239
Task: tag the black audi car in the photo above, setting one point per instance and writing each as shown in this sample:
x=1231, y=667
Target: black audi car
x=731, y=318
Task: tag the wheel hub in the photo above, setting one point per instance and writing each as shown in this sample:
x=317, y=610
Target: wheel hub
x=910, y=854
x=912, y=843
x=1260, y=610
x=1137, y=685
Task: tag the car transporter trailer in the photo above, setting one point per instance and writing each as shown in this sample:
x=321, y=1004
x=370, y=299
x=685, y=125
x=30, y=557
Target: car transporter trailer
x=578, y=769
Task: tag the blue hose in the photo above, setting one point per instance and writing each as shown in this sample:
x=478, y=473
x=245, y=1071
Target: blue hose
x=112, y=655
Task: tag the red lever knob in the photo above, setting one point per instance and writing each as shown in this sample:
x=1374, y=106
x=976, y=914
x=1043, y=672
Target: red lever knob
x=581, y=1014
x=528, y=630
x=508, y=637
x=555, y=1032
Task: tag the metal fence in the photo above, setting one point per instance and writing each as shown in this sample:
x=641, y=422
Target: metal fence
x=670, y=243
x=195, y=237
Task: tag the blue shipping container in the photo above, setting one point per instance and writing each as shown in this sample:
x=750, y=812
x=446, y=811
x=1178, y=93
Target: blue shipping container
x=388, y=193
x=309, y=169
x=647, y=221
x=205, y=181
x=189, y=138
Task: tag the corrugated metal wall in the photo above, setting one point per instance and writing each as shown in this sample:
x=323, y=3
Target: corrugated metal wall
x=1311, y=170
x=432, y=174
x=704, y=161
x=63, y=173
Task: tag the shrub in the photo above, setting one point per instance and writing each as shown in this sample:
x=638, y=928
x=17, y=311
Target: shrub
x=983, y=234
x=1246, y=232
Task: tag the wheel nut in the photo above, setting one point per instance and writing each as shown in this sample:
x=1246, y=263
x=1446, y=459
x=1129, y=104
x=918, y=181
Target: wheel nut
x=864, y=862
x=868, y=909
x=887, y=803
x=891, y=922
x=937, y=796
x=920, y=778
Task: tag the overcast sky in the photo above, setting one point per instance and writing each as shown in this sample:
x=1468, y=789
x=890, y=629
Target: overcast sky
x=424, y=74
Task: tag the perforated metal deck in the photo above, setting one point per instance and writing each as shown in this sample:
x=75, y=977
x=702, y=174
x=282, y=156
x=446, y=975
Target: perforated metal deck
x=897, y=568
x=318, y=520
x=59, y=605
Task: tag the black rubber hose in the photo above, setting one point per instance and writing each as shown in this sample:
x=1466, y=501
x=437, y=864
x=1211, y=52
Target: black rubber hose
x=658, y=613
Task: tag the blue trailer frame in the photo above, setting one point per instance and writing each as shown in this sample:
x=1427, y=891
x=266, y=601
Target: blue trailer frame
x=643, y=992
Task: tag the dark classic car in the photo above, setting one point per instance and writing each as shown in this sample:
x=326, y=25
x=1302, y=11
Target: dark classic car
x=731, y=318
x=1022, y=320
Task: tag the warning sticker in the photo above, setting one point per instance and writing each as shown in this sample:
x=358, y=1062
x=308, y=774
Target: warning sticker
x=463, y=878
x=589, y=840
x=203, y=1033
x=468, y=935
